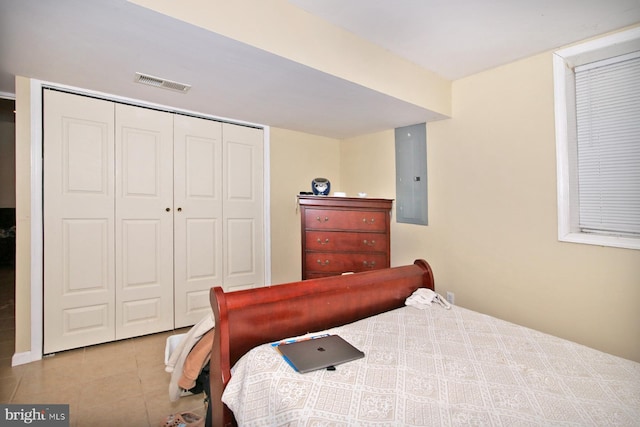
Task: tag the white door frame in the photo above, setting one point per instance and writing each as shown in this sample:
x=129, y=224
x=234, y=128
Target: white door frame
x=37, y=231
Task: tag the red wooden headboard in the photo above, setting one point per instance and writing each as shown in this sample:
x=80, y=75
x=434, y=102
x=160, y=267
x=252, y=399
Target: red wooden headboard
x=248, y=318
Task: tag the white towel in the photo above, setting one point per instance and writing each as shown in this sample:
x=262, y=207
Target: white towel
x=423, y=297
x=176, y=360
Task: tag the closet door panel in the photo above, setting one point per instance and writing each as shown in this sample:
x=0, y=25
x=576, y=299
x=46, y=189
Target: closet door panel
x=144, y=221
x=243, y=231
x=79, y=289
x=241, y=235
x=198, y=215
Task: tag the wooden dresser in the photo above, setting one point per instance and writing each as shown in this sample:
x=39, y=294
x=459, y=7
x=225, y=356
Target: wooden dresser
x=344, y=234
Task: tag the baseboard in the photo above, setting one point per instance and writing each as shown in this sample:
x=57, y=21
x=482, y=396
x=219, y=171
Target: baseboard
x=22, y=358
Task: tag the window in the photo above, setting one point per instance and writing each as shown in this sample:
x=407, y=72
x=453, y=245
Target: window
x=597, y=101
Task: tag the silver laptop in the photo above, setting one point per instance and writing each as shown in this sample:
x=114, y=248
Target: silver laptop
x=318, y=353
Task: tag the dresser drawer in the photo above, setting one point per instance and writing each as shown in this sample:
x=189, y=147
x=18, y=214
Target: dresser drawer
x=361, y=220
x=331, y=241
x=323, y=262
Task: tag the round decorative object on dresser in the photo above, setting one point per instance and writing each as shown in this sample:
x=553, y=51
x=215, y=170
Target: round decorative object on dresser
x=320, y=186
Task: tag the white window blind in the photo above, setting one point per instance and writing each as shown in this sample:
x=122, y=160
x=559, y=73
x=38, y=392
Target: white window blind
x=608, y=138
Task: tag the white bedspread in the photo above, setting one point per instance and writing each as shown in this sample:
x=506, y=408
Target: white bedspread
x=440, y=367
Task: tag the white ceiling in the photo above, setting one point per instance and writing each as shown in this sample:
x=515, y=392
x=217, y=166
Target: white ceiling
x=457, y=38
x=100, y=44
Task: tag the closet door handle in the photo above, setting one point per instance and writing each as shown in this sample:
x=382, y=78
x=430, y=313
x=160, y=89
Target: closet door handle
x=179, y=209
x=168, y=209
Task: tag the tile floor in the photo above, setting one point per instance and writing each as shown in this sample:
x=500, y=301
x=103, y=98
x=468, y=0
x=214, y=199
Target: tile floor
x=121, y=383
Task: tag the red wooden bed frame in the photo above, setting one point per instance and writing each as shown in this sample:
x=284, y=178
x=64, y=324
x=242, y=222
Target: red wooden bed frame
x=248, y=318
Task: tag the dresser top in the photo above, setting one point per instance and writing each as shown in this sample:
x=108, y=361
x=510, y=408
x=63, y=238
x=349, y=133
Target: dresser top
x=349, y=202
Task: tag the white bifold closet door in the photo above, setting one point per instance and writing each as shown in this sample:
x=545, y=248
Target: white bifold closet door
x=243, y=252
x=143, y=221
x=79, y=221
x=197, y=216
x=137, y=205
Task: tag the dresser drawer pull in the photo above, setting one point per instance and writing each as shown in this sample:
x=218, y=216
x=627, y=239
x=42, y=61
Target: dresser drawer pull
x=368, y=264
x=326, y=262
x=369, y=243
x=326, y=218
x=368, y=222
x=326, y=241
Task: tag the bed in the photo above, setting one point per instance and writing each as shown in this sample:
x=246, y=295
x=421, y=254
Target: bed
x=422, y=366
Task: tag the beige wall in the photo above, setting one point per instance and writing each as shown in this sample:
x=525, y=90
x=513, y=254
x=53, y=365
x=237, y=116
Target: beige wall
x=368, y=165
x=23, y=215
x=497, y=161
x=296, y=158
x=492, y=234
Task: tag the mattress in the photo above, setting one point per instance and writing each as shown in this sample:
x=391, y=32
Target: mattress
x=440, y=367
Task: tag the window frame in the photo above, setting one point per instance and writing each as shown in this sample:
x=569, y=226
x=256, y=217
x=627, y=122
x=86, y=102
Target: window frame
x=564, y=62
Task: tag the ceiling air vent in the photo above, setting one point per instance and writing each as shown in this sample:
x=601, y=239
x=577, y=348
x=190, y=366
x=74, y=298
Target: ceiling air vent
x=161, y=83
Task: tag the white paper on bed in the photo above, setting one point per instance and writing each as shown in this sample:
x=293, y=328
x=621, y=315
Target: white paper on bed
x=441, y=367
